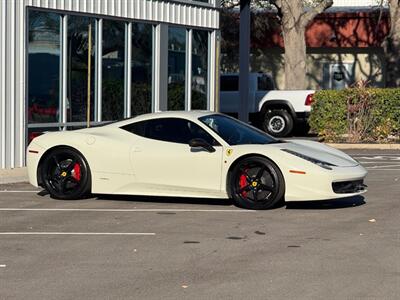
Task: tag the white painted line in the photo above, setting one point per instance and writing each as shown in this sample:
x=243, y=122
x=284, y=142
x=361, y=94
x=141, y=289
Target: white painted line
x=6, y=191
x=77, y=233
x=377, y=162
x=129, y=210
x=376, y=167
x=368, y=155
x=380, y=157
x=369, y=169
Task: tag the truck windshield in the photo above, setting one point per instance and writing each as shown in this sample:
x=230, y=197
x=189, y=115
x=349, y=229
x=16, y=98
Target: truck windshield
x=235, y=132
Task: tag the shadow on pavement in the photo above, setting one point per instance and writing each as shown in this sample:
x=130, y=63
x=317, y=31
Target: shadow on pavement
x=157, y=199
x=327, y=204
x=321, y=204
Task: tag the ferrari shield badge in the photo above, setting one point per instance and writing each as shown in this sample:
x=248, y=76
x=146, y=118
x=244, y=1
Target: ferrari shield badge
x=229, y=152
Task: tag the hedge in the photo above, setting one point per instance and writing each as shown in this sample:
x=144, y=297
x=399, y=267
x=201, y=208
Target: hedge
x=357, y=115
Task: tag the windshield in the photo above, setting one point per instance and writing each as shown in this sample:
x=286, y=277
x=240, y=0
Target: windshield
x=235, y=132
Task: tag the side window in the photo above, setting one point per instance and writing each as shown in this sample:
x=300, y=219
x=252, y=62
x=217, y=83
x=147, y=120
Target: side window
x=229, y=83
x=137, y=128
x=265, y=83
x=170, y=130
x=197, y=132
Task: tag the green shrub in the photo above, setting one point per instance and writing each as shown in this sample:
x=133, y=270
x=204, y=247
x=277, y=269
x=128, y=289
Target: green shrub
x=357, y=115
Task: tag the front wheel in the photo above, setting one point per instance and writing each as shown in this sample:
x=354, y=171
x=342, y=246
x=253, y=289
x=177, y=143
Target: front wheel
x=256, y=183
x=65, y=174
x=278, y=122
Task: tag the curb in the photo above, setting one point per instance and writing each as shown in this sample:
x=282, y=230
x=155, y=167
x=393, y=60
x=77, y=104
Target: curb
x=365, y=146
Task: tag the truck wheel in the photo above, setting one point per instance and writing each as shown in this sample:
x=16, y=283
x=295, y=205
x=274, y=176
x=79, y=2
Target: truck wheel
x=278, y=122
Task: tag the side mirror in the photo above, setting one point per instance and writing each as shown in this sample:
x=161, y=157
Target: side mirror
x=200, y=143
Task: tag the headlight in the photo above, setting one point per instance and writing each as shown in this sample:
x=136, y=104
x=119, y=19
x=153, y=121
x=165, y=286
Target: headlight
x=321, y=163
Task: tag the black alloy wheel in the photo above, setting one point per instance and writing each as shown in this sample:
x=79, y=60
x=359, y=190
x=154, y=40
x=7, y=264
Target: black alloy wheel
x=65, y=174
x=257, y=183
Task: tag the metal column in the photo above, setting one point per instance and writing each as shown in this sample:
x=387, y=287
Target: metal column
x=244, y=59
x=160, y=68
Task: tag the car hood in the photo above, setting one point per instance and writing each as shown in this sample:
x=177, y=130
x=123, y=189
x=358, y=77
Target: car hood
x=320, y=151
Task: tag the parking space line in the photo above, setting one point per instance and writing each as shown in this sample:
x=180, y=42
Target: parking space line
x=386, y=166
x=130, y=210
x=377, y=162
x=13, y=191
x=368, y=155
x=374, y=169
x=77, y=233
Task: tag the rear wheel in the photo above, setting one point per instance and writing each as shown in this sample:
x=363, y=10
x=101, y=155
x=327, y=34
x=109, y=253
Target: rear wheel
x=65, y=174
x=278, y=122
x=257, y=183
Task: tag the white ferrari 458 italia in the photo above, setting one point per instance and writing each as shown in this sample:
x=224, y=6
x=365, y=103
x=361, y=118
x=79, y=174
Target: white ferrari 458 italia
x=190, y=154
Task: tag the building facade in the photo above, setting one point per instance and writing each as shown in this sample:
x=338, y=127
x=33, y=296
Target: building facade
x=69, y=64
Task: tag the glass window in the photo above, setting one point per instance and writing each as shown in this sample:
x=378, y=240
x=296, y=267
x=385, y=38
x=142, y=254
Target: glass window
x=43, y=67
x=199, y=69
x=78, y=46
x=173, y=130
x=235, y=132
x=229, y=83
x=113, y=70
x=265, y=83
x=142, y=55
x=176, y=68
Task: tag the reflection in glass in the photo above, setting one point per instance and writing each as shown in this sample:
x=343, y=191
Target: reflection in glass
x=78, y=68
x=35, y=132
x=176, y=68
x=199, y=69
x=141, y=65
x=113, y=70
x=43, y=67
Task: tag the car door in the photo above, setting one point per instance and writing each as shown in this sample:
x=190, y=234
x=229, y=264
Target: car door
x=163, y=160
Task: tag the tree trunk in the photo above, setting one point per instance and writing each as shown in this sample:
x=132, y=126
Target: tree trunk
x=295, y=58
x=295, y=19
x=391, y=46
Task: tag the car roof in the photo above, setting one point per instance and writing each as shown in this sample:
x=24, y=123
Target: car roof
x=190, y=115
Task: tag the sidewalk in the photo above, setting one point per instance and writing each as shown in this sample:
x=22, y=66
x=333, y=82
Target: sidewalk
x=13, y=175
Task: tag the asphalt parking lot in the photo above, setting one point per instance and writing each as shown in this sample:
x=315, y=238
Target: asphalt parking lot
x=168, y=248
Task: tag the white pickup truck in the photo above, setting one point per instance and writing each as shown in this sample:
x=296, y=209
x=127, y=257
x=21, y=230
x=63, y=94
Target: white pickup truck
x=275, y=111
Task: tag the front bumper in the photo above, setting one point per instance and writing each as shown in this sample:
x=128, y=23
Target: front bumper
x=340, y=182
x=349, y=186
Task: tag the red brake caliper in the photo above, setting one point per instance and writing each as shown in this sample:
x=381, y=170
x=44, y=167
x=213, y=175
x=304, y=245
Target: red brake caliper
x=77, y=172
x=243, y=183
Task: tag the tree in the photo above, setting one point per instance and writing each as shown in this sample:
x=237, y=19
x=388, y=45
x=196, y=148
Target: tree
x=294, y=17
x=391, y=46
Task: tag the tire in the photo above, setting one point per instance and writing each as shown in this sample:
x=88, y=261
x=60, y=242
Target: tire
x=65, y=174
x=256, y=183
x=278, y=122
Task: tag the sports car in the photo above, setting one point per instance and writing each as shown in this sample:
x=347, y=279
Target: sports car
x=190, y=154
